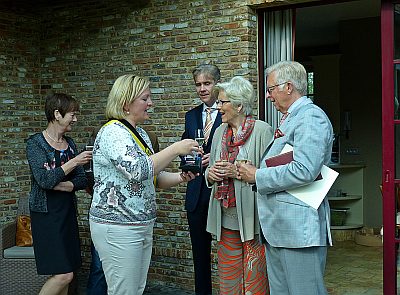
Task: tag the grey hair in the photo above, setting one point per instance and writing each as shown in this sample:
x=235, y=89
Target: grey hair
x=209, y=70
x=240, y=92
x=290, y=71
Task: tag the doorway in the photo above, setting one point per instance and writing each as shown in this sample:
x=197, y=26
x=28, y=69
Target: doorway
x=340, y=46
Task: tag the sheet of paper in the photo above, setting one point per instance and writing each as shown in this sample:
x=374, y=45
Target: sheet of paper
x=314, y=193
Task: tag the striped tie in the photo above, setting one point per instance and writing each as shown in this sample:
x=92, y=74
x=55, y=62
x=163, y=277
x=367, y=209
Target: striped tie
x=207, y=125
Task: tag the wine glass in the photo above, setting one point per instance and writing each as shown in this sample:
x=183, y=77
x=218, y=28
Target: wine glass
x=90, y=166
x=242, y=157
x=222, y=184
x=199, y=137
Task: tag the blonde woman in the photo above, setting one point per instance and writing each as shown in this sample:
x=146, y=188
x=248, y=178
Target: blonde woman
x=126, y=170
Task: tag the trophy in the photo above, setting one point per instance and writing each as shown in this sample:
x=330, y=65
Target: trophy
x=193, y=162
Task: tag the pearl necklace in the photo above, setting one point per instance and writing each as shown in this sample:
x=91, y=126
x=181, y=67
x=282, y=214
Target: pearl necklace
x=56, y=141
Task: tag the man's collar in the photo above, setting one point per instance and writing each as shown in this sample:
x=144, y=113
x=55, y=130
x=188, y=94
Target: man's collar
x=296, y=103
x=213, y=107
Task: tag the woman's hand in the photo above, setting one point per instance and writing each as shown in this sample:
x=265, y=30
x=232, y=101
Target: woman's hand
x=83, y=158
x=205, y=160
x=80, y=160
x=215, y=174
x=221, y=170
x=64, y=186
x=229, y=169
x=186, y=147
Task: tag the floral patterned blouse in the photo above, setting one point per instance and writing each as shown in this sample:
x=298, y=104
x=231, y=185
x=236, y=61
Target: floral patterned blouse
x=123, y=191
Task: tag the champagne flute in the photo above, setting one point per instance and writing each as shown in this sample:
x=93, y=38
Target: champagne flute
x=200, y=140
x=90, y=166
x=242, y=158
x=222, y=183
x=199, y=137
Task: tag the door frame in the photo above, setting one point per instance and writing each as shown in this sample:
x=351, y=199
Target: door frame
x=388, y=148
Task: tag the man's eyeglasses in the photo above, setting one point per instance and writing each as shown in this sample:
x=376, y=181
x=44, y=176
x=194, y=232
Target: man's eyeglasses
x=221, y=102
x=272, y=88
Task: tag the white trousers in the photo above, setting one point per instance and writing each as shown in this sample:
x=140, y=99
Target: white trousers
x=125, y=253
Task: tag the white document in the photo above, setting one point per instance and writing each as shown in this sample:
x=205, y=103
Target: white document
x=314, y=193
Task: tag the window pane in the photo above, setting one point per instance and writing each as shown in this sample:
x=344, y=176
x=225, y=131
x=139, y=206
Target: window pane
x=397, y=150
x=396, y=91
x=310, y=83
x=397, y=31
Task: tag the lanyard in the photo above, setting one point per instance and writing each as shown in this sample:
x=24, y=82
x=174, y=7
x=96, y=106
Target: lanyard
x=136, y=136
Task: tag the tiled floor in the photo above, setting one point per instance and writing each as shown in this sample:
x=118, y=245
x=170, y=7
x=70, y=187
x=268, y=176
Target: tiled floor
x=354, y=269
x=351, y=270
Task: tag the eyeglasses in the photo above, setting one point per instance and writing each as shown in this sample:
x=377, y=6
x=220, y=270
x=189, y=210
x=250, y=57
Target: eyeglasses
x=222, y=101
x=272, y=88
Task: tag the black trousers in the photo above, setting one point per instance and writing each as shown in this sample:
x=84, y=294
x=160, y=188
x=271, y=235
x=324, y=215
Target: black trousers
x=201, y=245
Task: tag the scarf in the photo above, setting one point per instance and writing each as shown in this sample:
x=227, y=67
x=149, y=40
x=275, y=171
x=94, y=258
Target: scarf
x=229, y=150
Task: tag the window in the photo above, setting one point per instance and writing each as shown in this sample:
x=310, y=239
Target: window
x=310, y=85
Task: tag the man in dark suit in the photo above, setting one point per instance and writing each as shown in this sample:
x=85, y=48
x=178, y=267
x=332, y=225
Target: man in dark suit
x=198, y=194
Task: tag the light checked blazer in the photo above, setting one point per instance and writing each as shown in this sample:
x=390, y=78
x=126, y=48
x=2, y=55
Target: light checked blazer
x=286, y=221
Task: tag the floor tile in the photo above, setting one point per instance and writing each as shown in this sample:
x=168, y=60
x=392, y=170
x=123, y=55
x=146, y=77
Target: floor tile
x=351, y=270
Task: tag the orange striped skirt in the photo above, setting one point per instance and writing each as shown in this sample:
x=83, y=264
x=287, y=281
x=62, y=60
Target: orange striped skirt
x=242, y=266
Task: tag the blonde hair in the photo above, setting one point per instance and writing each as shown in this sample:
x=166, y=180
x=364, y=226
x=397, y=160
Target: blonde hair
x=123, y=92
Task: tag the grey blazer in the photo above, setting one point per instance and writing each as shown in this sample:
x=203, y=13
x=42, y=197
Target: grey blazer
x=286, y=221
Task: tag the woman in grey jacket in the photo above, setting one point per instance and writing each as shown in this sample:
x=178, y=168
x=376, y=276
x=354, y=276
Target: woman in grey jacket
x=56, y=173
x=232, y=213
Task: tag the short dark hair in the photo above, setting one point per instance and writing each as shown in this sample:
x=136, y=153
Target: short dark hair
x=208, y=70
x=59, y=101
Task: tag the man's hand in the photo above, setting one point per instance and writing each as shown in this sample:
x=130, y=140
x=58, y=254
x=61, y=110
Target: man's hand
x=187, y=176
x=247, y=172
x=205, y=160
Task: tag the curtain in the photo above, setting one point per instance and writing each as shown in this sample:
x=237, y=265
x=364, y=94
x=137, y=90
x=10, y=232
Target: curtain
x=279, y=39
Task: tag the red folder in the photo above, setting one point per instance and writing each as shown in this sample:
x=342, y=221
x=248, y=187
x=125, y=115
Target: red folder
x=283, y=159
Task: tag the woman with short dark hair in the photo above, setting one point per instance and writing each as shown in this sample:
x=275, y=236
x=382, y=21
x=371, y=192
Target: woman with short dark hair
x=56, y=173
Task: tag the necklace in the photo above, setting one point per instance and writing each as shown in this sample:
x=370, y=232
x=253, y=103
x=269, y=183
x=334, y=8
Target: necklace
x=62, y=138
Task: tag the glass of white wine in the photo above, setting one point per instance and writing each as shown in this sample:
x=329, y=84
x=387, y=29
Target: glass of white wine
x=90, y=166
x=199, y=137
x=222, y=183
x=242, y=157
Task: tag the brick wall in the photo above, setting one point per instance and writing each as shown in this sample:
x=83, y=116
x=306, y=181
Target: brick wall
x=81, y=48
x=20, y=104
